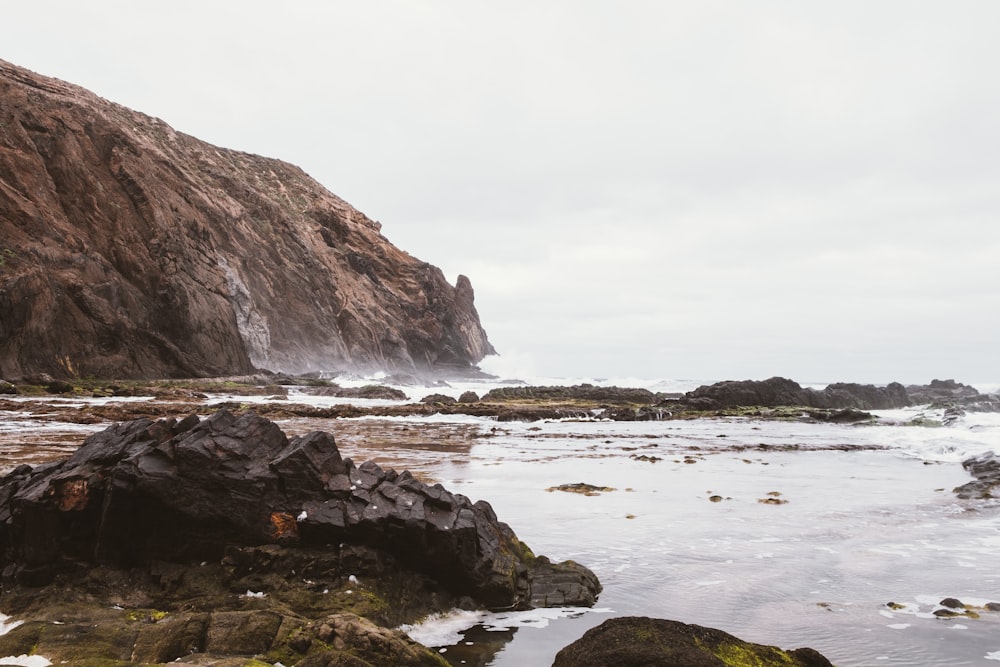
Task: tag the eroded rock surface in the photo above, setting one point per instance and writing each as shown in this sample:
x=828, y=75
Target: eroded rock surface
x=985, y=468
x=130, y=250
x=225, y=514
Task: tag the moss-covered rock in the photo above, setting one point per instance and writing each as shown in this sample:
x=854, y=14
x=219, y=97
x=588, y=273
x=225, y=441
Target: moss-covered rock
x=652, y=642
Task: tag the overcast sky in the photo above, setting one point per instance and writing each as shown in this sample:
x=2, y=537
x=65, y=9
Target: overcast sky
x=704, y=190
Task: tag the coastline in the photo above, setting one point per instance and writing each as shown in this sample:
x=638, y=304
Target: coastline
x=478, y=455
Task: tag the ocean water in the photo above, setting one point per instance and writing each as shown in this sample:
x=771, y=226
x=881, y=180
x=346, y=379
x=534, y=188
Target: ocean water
x=869, y=518
x=792, y=534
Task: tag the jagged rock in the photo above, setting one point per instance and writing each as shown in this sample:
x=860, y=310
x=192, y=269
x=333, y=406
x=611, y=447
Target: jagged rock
x=134, y=251
x=941, y=391
x=188, y=491
x=651, y=642
x=986, y=470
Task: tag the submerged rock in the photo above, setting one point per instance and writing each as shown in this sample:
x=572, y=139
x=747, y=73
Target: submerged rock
x=653, y=642
x=183, y=514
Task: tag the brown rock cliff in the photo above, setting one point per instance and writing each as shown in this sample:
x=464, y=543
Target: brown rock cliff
x=128, y=249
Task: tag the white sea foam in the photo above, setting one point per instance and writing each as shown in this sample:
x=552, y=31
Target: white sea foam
x=6, y=624
x=446, y=629
x=26, y=661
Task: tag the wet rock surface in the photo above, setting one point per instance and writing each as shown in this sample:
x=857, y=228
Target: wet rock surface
x=778, y=391
x=986, y=470
x=652, y=642
x=227, y=514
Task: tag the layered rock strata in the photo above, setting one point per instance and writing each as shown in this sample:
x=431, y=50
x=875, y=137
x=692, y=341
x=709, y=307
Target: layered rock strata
x=130, y=250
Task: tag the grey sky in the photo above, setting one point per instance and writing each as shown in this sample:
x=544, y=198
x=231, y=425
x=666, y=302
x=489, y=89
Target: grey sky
x=708, y=190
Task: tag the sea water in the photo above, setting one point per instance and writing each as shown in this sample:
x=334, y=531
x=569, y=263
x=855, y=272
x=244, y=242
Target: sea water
x=784, y=533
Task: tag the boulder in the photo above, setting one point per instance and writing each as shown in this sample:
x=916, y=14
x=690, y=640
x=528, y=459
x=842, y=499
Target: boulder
x=468, y=397
x=193, y=491
x=440, y=399
x=652, y=642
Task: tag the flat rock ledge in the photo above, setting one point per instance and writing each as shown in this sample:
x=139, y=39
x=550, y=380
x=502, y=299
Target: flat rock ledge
x=634, y=641
x=162, y=541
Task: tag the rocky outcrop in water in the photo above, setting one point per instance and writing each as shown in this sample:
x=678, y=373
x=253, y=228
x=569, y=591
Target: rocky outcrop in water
x=985, y=468
x=130, y=250
x=181, y=515
x=779, y=391
x=644, y=642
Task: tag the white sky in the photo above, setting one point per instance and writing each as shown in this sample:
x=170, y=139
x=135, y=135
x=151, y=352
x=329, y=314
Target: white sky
x=708, y=190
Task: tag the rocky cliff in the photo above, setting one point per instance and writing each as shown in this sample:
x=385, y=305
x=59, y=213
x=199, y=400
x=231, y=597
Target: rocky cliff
x=128, y=249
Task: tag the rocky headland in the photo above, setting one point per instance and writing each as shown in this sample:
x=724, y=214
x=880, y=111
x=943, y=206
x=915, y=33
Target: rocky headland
x=173, y=540
x=130, y=250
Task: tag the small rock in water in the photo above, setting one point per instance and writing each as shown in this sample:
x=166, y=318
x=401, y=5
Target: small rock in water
x=952, y=603
x=582, y=488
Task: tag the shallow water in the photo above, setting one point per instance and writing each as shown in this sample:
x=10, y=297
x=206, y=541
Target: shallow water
x=867, y=521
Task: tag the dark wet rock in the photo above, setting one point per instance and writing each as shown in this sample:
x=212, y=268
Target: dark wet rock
x=582, y=392
x=442, y=399
x=7, y=387
x=651, y=642
x=58, y=387
x=993, y=606
x=222, y=536
x=582, y=488
x=952, y=415
x=379, y=391
x=189, y=490
x=952, y=603
x=941, y=391
x=468, y=397
x=845, y=416
x=779, y=391
x=985, y=468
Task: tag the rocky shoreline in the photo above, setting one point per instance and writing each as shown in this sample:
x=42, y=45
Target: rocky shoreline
x=151, y=544
x=218, y=536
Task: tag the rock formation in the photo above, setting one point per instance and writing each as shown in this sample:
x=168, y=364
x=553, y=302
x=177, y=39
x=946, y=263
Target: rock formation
x=779, y=391
x=128, y=249
x=182, y=516
x=645, y=642
x=985, y=468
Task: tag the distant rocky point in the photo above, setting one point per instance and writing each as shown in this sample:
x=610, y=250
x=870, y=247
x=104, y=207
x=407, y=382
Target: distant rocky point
x=130, y=250
x=778, y=391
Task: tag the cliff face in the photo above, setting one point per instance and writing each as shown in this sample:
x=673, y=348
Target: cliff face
x=132, y=250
